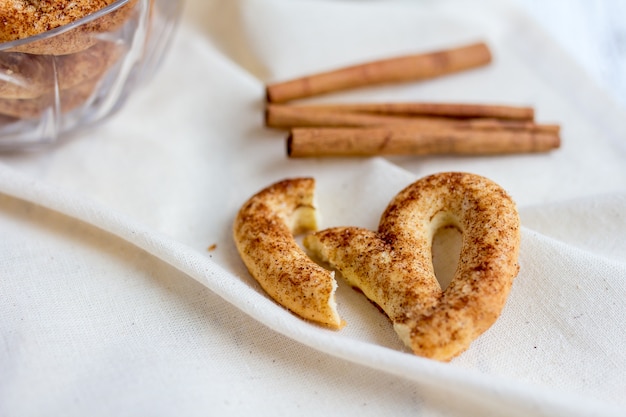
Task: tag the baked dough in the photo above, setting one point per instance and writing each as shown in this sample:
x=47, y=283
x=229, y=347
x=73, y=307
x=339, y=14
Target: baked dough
x=393, y=266
x=62, y=69
x=26, y=76
x=264, y=232
x=68, y=100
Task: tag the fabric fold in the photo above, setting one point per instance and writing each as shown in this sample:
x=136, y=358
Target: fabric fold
x=504, y=392
x=85, y=320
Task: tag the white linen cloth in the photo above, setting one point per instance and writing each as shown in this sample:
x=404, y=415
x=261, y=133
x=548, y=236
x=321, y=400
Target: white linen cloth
x=102, y=233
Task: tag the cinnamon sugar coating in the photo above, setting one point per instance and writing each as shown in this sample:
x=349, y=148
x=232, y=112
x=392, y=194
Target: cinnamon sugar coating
x=393, y=266
x=24, y=18
x=21, y=19
x=264, y=231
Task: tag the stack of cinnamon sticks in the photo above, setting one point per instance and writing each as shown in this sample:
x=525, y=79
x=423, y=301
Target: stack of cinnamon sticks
x=366, y=129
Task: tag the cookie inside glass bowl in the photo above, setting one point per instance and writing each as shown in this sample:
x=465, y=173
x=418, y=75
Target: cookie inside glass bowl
x=69, y=65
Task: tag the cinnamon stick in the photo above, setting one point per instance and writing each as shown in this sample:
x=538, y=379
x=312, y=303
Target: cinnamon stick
x=454, y=110
x=407, y=140
x=405, y=68
x=284, y=116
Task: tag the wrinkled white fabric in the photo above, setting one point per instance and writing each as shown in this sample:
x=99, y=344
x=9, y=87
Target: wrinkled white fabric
x=112, y=303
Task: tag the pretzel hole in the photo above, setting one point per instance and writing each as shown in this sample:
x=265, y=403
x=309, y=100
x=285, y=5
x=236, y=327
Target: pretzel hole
x=446, y=251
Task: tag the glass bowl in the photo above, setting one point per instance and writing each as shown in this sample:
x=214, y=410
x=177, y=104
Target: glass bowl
x=76, y=75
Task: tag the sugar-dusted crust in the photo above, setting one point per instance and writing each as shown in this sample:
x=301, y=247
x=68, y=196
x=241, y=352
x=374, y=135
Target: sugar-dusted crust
x=22, y=19
x=393, y=266
x=264, y=235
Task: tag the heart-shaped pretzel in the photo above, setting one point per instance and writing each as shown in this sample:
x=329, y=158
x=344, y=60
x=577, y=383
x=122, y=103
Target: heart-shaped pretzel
x=393, y=267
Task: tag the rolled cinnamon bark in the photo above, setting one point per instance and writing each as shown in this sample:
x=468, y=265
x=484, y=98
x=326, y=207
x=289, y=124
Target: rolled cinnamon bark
x=405, y=68
x=407, y=140
x=284, y=116
x=406, y=109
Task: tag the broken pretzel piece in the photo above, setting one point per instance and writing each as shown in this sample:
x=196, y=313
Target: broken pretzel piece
x=264, y=232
